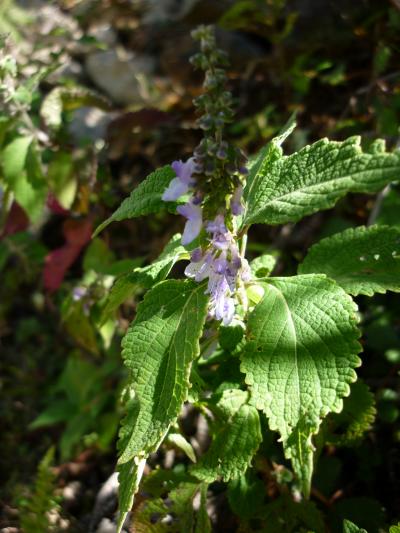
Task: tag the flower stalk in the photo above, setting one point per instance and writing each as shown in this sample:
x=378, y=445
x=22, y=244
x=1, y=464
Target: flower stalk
x=214, y=177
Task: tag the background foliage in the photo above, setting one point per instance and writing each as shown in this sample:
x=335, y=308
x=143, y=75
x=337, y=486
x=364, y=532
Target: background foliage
x=94, y=96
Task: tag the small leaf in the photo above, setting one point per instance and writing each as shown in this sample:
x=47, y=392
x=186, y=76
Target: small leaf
x=361, y=260
x=14, y=158
x=349, y=527
x=235, y=443
x=263, y=265
x=300, y=358
x=143, y=200
x=179, y=441
x=286, y=189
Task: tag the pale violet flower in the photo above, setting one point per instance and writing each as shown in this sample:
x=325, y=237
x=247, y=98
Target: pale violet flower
x=222, y=265
x=236, y=201
x=193, y=214
x=183, y=181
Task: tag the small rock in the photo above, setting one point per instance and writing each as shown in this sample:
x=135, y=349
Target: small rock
x=104, y=33
x=156, y=12
x=89, y=124
x=121, y=75
x=106, y=526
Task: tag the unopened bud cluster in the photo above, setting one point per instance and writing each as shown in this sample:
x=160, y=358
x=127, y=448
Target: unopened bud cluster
x=218, y=163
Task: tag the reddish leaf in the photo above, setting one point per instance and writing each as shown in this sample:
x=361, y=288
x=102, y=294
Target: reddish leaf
x=17, y=220
x=77, y=234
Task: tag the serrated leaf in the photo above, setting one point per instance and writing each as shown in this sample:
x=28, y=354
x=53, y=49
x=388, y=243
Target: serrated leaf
x=300, y=358
x=361, y=260
x=144, y=277
x=158, y=350
x=129, y=476
x=349, y=527
x=235, y=444
x=356, y=418
x=285, y=189
x=166, y=329
x=143, y=200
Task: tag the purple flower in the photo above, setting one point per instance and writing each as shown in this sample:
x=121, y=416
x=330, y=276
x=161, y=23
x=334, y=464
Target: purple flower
x=217, y=225
x=194, y=222
x=183, y=181
x=201, y=269
x=225, y=310
x=78, y=293
x=236, y=201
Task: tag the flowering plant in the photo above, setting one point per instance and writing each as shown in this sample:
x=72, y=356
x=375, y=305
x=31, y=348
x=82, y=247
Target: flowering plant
x=292, y=341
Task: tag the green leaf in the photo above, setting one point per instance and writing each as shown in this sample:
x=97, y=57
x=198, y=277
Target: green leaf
x=158, y=350
x=349, y=527
x=22, y=173
x=236, y=441
x=143, y=200
x=395, y=529
x=356, y=418
x=285, y=189
x=129, y=478
x=300, y=358
x=179, y=441
x=361, y=260
x=14, y=158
